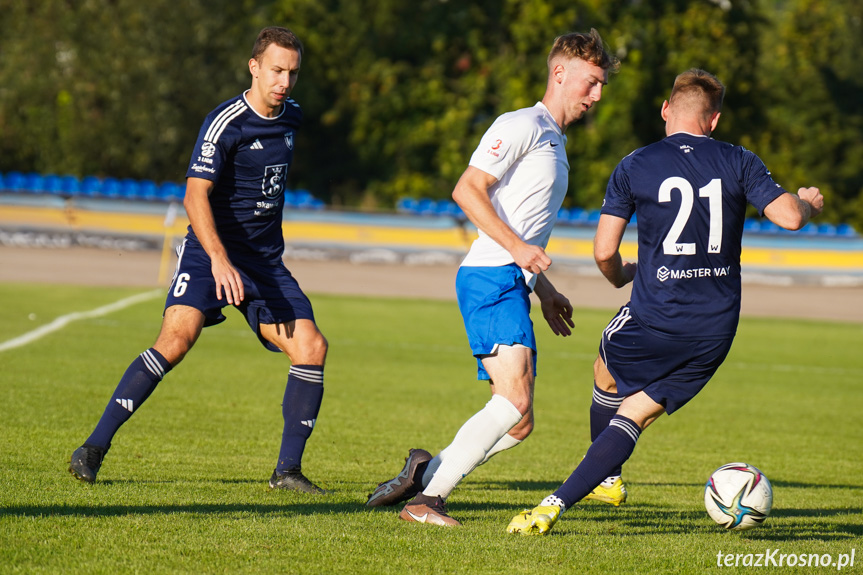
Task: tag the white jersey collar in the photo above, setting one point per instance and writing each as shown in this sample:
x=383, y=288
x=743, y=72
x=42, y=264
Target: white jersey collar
x=252, y=108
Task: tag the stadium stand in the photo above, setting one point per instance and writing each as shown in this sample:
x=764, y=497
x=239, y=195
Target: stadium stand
x=92, y=187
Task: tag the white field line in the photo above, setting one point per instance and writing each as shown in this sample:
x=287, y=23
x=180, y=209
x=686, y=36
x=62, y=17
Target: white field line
x=65, y=320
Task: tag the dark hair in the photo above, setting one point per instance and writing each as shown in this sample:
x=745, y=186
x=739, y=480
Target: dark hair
x=279, y=36
x=700, y=89
x=587, y=47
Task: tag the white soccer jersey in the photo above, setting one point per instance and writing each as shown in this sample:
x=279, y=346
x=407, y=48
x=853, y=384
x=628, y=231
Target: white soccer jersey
x=525, y=151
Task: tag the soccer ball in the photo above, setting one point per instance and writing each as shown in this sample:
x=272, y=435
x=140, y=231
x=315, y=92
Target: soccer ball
x=738, y=496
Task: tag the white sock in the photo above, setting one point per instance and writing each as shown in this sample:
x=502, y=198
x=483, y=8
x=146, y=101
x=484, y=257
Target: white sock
x=554, y=500
x=505, y=442
x=472, y=443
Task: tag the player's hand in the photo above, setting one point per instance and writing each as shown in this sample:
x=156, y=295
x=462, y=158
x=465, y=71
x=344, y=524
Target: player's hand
x=227, y=277
x=813, y=197
x=531, y=258
x=628, y=271
x=557, y=311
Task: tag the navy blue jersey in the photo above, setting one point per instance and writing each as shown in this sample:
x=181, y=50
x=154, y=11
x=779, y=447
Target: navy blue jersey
x=247, y=156
x=690, y=194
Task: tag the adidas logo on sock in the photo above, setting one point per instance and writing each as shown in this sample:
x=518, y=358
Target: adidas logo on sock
x=307, y=422
x=127, y=404
x=257, y=145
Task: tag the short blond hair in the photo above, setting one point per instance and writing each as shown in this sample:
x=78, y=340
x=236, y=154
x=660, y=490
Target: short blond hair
x=698, y=91
x=587, y=47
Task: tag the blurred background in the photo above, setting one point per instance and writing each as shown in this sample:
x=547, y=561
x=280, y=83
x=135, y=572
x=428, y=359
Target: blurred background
x=396, y=93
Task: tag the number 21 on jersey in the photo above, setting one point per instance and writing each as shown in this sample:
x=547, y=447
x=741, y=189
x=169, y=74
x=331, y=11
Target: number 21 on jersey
x=713, y=192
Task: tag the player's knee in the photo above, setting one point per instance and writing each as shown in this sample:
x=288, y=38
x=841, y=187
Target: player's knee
x=311, y=351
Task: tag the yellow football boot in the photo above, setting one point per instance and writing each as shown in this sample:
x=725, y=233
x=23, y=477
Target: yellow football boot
x=614, y=494
x=536, y=521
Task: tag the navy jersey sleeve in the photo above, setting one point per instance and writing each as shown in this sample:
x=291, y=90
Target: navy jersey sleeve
x=757, y=181
x=619, y=200
x=211, y=150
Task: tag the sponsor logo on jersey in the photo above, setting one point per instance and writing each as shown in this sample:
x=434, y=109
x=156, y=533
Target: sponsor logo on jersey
x=256, y=145
x=289, y=140
x=663, y=274
x=493, y=149
x=208, y=150
x=686, y=148
x=199, y=168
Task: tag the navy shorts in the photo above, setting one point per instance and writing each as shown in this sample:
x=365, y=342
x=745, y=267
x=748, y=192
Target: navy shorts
x=495, y=305
x=272, y=295
x=669, y=371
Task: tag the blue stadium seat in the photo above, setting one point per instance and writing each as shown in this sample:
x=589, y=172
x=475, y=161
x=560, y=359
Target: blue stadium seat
x=52, y=184
x=2, y=182
x=828, y=230
x=33, y=183
x=111, y=188
x=809, y=229
x=846, y=231
x=148, y=190
x=768, y=227
x=406, y=206
x=171, y=192
x=578, y=216
x=751, y=225
x=633, y=221
x=91, y=187
x=593, y=216
x=448, y=208
x=13, y=181
x=70, y=185
x=563, y=215
x=426, y=207
x=129, y=189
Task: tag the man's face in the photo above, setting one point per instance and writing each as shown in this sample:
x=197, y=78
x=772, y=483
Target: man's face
x=275, y=75
x=582, y=84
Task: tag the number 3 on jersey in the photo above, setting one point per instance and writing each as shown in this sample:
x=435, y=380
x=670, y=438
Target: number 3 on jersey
x=713, y=192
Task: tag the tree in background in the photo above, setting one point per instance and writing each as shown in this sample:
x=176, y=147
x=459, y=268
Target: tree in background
x=397, y=93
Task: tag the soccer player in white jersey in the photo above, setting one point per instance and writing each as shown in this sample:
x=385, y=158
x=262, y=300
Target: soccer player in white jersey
x=512, y=190
x=691, y=193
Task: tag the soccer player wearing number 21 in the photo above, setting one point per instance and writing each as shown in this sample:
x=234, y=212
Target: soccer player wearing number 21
x=690, y=193
x=232, y=255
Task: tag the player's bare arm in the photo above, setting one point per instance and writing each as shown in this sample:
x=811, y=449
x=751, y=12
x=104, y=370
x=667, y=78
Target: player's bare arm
x=471, y=194
x=606, y=251
x=197, y=205
x=792, y=212
x=556, y=308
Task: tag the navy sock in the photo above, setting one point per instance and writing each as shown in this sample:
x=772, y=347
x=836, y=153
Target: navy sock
x=303, y=395
x=608, y=452
x=602, y=409
x=141, y=378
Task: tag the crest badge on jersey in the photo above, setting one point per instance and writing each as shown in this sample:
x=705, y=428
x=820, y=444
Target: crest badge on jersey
x=274, y=181
x=289, y=140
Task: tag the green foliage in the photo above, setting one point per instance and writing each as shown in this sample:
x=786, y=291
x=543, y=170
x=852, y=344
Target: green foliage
x=183, y=489
x=396, y=94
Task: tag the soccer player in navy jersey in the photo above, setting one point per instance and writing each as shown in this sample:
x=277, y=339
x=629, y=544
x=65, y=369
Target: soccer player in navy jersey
x=690, y=193
x=232, y=255
x=512, y=191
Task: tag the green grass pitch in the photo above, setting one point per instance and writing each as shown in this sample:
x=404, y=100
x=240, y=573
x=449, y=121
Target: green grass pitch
x=183, y=489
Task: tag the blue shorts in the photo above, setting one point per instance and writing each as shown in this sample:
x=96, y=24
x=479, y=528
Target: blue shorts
x=272, y=295
x=495, y=305
x=669, y=371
